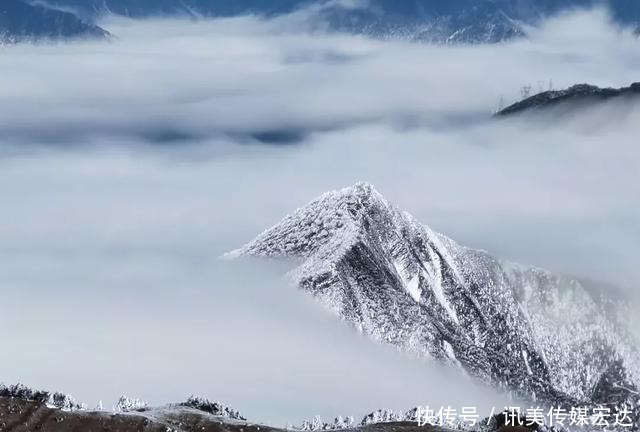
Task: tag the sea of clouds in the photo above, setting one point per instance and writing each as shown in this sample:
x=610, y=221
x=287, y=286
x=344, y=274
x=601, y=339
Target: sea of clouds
x=128, y=167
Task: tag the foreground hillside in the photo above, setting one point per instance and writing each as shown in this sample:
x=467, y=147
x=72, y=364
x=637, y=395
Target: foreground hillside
x=21, y=415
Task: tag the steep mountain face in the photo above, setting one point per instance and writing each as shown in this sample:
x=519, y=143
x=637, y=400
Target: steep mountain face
x=21, y=20
x=519, y=328
x=446, y=21
x=573, y=98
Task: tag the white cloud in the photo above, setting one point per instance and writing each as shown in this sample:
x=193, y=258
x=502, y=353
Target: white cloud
x=109, y=242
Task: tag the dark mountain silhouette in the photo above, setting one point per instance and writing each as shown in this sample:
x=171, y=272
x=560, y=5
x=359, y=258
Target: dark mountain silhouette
x=574, y=98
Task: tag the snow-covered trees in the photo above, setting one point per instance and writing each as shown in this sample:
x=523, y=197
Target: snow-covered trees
x=55, y=400
x=382, y=416
x=64, y=402
x=214, y=408
x=316, y=424
x=126, y=404
x=21, y=391
x=378, y=416
x=562, y=344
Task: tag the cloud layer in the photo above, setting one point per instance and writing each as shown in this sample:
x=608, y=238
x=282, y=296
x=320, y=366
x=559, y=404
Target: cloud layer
x=109, y=241
x=243, y=77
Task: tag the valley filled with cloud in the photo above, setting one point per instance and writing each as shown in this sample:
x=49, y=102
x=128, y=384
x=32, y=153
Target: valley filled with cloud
x=128, y=167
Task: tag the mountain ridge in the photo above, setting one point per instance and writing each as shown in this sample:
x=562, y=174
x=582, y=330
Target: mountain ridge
x=435, y=21
x=575, y=97
x=518, y=328
x=23, y=21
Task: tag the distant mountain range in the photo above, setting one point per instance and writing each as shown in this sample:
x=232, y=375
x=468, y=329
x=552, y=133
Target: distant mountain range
x=573, y=99
x=442, y=21
x=546, y=337
x=21, y=20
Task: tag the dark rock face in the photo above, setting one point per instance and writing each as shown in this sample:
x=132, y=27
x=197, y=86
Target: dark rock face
x=575, y=97
x=519, y=328
x=23, y=21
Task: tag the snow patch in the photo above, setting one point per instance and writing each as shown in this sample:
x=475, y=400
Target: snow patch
x=411, y=284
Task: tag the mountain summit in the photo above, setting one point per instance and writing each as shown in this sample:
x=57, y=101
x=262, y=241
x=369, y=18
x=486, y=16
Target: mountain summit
x=519, y=328
x=21, y=20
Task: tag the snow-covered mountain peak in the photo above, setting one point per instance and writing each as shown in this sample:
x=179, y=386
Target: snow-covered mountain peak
x=519, y=328
x=333, y=221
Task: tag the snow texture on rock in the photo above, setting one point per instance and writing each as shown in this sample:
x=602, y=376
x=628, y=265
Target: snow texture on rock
x=543, y=336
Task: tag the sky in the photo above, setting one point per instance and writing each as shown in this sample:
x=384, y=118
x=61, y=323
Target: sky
x=128, y=167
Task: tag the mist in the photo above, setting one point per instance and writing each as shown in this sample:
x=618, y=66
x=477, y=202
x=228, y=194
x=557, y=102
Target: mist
x=128, y=167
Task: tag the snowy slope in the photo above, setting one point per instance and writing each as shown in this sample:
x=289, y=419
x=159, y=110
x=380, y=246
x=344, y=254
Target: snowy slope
x=22, y=20
x=540, y=335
